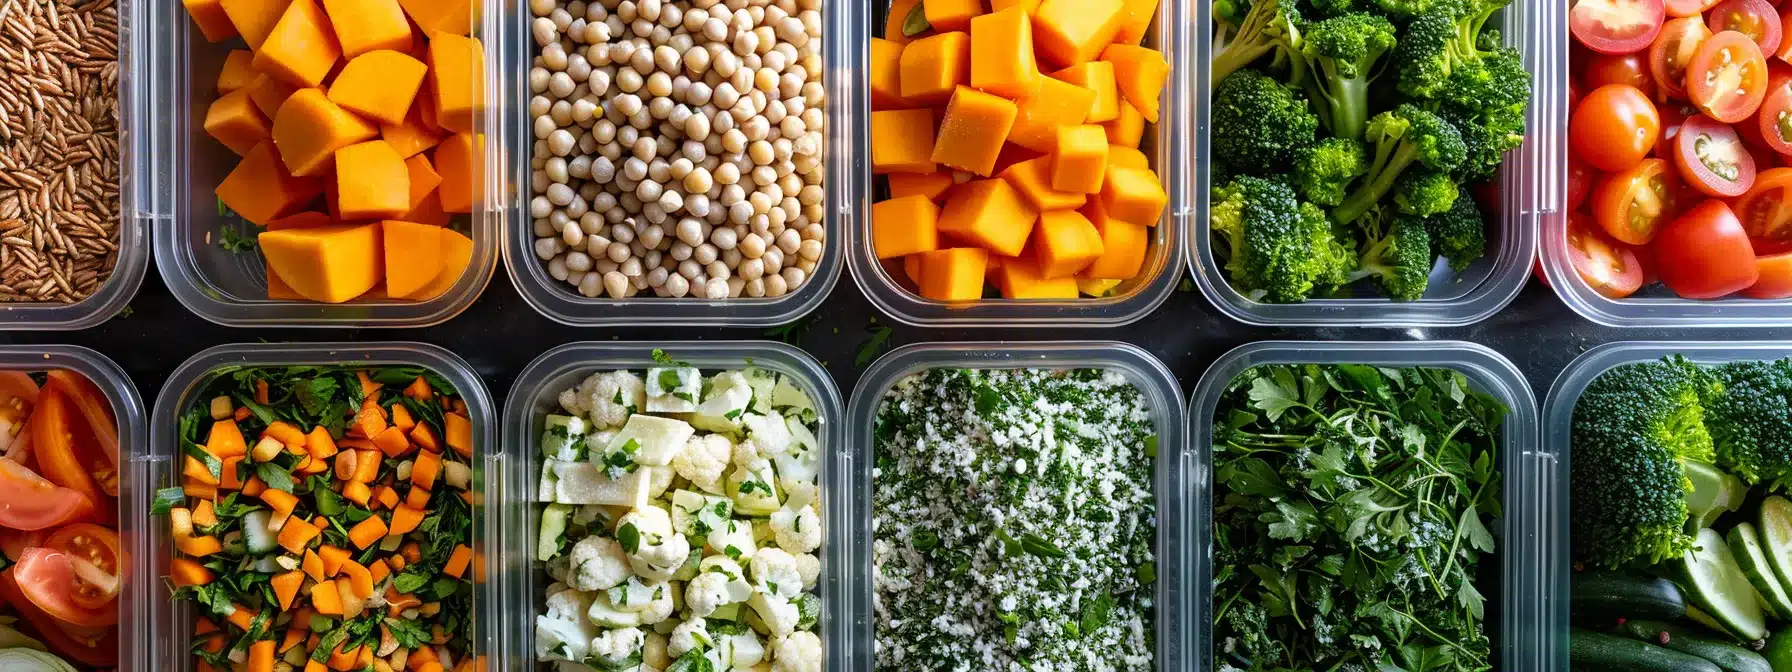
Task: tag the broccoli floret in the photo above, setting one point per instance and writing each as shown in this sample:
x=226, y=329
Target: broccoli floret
x=1323, y=171
x=1442, y=51
x=1488, y=135
x=1402, y=137
x=1321, y=9
x=1269, y=26
x=1638, y=439
x=1406, y=9
x=1344, y=53
x=1751, y=422
x=1258, y=123
x=1280, y=249
x=1400, y=259
x=1459, y=234
x=1425, y=192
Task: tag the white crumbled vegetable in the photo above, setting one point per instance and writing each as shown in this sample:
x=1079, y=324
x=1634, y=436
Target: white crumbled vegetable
x=687, y=502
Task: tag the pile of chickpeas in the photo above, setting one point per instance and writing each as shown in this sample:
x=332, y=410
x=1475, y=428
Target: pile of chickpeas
x=678, y=145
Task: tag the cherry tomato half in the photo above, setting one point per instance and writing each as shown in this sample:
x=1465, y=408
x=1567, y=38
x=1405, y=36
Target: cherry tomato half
x=1633, y=205
x=1607, y=267
x=1672, y=50
x=1580, y=182
x=48, y=580
x=1766, y=210
x=28, y=502
x=1776, y=277
x=1712, y=159
x=1630, y=69
x=99, y=431
x=1616, y=26
x=1773, y=122
x=1755, y=18
x=1689, y=7
x=99, y=649
x=1705, y=253
x=1614, y=127
x=1727, y=78
x=98, y=559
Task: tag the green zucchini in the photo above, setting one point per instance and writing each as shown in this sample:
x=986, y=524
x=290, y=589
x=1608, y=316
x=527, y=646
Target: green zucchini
x=1601, y=597
x=1726, y=655
x=1590, y=651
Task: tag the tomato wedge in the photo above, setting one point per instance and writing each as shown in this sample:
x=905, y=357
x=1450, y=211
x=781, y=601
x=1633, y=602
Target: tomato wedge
x=1712, y=159
x=98, y=559
x=47, y=578
x=1705, y=253
x=1606, y=267
x=1673, y=50
x=1633, y=205
x=1727, y=78
x=1766, y=210
x=1689, y=7
x=52, y=439
x=1755, y=18
x=1616, y=26
x=28, y=502
x=98, y=649
x=96, y=410
x=1776, y=277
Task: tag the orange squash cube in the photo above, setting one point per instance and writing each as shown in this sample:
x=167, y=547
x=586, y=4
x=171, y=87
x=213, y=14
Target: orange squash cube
x=1123, y=246
x=236, y=123
x=460, y=160
x=309, y=129
x=372, y=182
x=1128, y=129
x=1081, y=159
x=254, y=19
x=1058, y=103
x=945, y=15
x=1019, y=278
x=302, y=48
x=885, y=65
x=954, y=274
x=990, y=214
x=1033, y=179
x=899, y=13
x=453, y=17
x=1133, y=195
x=911, y=268
x=933, y=67
x=379, y=85
x=457, y=78
x=1140, y=74
x=1070, y=32
x=1129, y=157
x=238, y=71
x=1028, y=6
x=270, y=94
x=1065, y=243
x=368, y=25
x=972, y=134
x=209, y=16
x=902, y=141
x=261, y=189
x=1137, y=22
x=931, y=185
x=904, y=226
x=1002, y=60
x=1096, y=76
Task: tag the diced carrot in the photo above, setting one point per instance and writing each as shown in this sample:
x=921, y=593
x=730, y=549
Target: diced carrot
x=226, y=439
x=202, y=626
x=364, y=659
x=286, y=433
x=240, y=414
x=419, y=390
x=333, y=559
x=379, y=570
x=460, y=406
x=242, y=617
x=261, y=656
x=297, y=534
x=417, y=498
x=459, y=433
x=384, y=496
x=367, y=465
x=392, y=442
x=204, y=515
x=405, y=518
x=281, y=501
x=261, y=392
x=325, y=599
x=359, y=577
x=425, y=438
x=286, y=587
x=372, y=403
x=313, y=565
x=425, y=469
x=457, y=563
x=319, y=443
x=367, y=532
x=197, y=490
x=424, y=655
x=196, y=471
x=368, y=423
x=294, y=635
x=254, y=487
x=401, y=418
x=233, y=476
x=314, y=666
x=199, y=547
x=368, y=387
x=356, y=492
x=214, y=643
x=185, y=572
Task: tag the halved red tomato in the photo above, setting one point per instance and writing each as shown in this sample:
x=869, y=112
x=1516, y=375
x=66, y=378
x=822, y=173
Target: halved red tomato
x=99, y=562
x=1616, y=26
x=1712, y=159
x=101, y=453
x=1672, y=50
x=1580, y=182
x=1755, y=18
x=47, y=578
x=1633, y=205
x=97, y=648
x=1689, y=7
x=53, y=441
x=28, y=502
x=1774, y=120
x=1776, y=277
x=1607, y=267
x=1727, y=78
x=1766, y=210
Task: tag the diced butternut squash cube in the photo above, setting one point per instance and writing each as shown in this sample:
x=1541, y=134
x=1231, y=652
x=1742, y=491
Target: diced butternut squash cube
x=1123, y=246
x=886, y=75
x=1137, y=22
x=1070, y=32
x=309, y=129
x=1028, y=6
x=1057, y=104
x=1140, y=74
x=1128, y=129
x=1133, y=195
x=1002, y=60
x=238, y=71
x=931, y=185
x=954, y=274
x=455, y=17
x=945, y=15
x=990, y=214
x=254, y=19
x=911, y=267
x=1096, y=288
x=1019, y=278
x=363, y=26
x=1096, y=76
x=457, y=256
x=904, y=226
x=429, y=209
x=934, y=67
x=330, y=264
x=410, y=138
x=460, y=159
x=261, y=189
x=234, y=121
x=972, y=134
x=1033, y=179
x=902, y=141
x=899, y=13
x=270, y=94
x=423, y=178
x=413, y=256
x=372, y=182
x=1014, y=154
x=1065, y=243
x=302, y=48
x=1129, y=157
x=211, y=19
x=379, y=85
x=1081, y=159
x=303, y=220
x=457, y=78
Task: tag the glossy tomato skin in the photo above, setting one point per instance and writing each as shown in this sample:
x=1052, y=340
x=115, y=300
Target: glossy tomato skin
x=28, y=502
x=53, y=442
x=1580, y=182
x=1776, y=277
x=1689, y=7
x=47, y=579
x=100, y=650
x=1766, y=211
x=1705, y=254
x=1712, y=159
x=1773, y=124
x=1755, y=18
x=1672, y=50
x=1643, y=18
x=1673, y=116
x=1727, y=55
x=1614, y=127
x=1607, y=267
x=1632, y=206
x=1632, y=69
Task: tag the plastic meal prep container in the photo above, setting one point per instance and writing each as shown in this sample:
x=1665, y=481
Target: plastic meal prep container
x=1166, y=145
x=180, y=166
x=1174, y=626
x=162, y=627
x=1527, y=610
x=112, y=296
x=1528, y=188
x=843, y=58
x=536, y=394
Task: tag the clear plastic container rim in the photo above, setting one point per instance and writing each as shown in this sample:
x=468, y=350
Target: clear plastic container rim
x=1532, y=609
x=1145, y=371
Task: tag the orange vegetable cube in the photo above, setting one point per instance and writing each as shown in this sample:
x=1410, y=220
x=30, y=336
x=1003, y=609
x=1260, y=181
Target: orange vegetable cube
x=238, y=71
x=1123, y=246
x=1065, y=243
x=281, y=501
x=367, y=465
x=425, y=469
x=333, y=559
x=931, y=185
x=991, y=214
x=297, y=534
x=312, y=565
x=1019, y=278
x=911, y=268
x=1002, y=59
x=457, y=78
x=379, y=85
x=460, y=159
x=1140, y=74
x=1096, y=288
x=211, y=19
x=417, y=498
x=946, y=15
x=411, y=138
x=457, y=432
x=954, y=274
x=899, y=12
x=254, y=487
x=368, y=25
x=1081, y=159
x=197, y=472
x=261, y=189
x=231, y=478
x=1038, y=117
x=1070, y=32
x=319, y=443
x=902, y=141
x=302, y=48
x=309, y=129
x=457, y=257
x=386, y=497
x=405, y=518
x=205, y=514
x=286, y=587
x=253, y=19
x=458, y=561
x=933, y=67
x=326, y=599
x=425, y=438
x=401, y=417
x=1129, y=157
x=270, y=94
x=1137, y=22
x=1096, y=76
x=367, y=533
x=360, y=579
x=885, y=65
x=330, y=264
x=186, y=572
x=285, y=433
x=904, y=226
x=456, y=17
x=1128, y=129
x=1033, y=179
x=1133, y=195
x=413, y=259
x=1028, y=6
x=358, y=493
x=392, y=442
x=972, y=134
x=372, y=181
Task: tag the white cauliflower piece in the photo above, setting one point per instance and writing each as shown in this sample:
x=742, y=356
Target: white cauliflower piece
x=606, y=398
x=703, y=461
x=797, y=530
x=775, y=573
x=779, y=615
x=688, y=635
x=706, y=593
x=799, y=652
x=598, y=563
x=749, y=456
x=615, y=646
x=809, y=567
x=769, y=431
x=737, y=535
x=563, y=633
x=662, y=606
x=748, y=650
x=659, y=550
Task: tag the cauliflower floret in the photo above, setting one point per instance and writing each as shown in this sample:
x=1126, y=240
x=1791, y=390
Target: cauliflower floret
x=563, y=633
x=775, y=573
x=797, y=530
x=598, y=563
x=779, y=615
x=769, y=431
x=799, y=491
x=703, y=460
x=659, y=550
x=735, y=534
x=749, y=456
x=661, y=607
x=615, y=646
x=799, y=652
x=607, y=398
x=809, y=567
x=688, y=635
x=558, y=568
x=706, y=593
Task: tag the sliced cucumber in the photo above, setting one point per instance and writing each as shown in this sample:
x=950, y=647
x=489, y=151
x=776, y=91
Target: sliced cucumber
x=1745, y=544
x=1774, y=526
x=1603, y=597
x=1718, y=585
x=553, y=528
x=1590, y=651
x=1726, y=655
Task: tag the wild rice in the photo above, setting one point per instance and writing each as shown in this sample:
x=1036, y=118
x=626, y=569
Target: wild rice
x=59, y=206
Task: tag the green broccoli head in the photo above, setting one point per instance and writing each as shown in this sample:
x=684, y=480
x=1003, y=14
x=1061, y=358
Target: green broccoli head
x=1487, y=135
x=1751, y=422
x=1425, y=56
x=1280, y=248
x=1263, y=28
x=1258, y=123
x=1425, y=192
x=1406, y=9
x=1400, y=259
x=1324, y=170
x=1449, y=37
x=1321, y=9
x=1459, y=234
x=1402, y=137
x=1343, y=54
